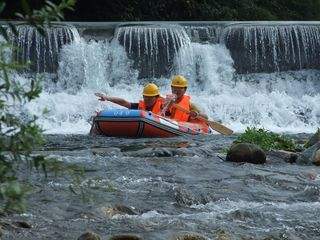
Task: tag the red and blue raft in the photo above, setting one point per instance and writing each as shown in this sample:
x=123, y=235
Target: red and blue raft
x=139, y=123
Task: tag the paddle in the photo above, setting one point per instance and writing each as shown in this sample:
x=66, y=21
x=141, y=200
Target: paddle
x=214, y=125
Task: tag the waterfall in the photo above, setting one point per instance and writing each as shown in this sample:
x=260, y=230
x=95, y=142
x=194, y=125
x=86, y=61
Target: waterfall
x=226, y=66
x=273, y=48
x=152, y=47
x=39, y=51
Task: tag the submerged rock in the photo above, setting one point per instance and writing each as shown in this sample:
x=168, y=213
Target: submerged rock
x=89, y=236
x=125, y=237
x=185, y=197
x=118, y=209
x=310, y=155
x=246, y=152
x=189, y=236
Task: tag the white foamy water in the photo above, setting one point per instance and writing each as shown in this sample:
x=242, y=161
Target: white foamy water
x=280, y=102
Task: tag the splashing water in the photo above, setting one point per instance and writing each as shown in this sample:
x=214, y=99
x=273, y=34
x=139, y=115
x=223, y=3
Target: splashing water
x=280, y=101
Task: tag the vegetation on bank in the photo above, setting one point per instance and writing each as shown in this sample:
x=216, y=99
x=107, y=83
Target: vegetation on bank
x=183, y=10
x=20, y=136
x=267, y=140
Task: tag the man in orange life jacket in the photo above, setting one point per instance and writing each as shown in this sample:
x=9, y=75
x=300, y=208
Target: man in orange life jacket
x=152, y=101
x=179, y=86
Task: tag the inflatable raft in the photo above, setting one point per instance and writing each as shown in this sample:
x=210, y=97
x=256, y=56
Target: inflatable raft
x=138, y=123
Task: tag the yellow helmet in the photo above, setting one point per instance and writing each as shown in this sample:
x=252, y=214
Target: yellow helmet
x=150, y=90
x=179, y=81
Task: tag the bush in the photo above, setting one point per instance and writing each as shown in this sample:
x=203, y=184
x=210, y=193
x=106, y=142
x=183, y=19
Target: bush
x=266, y=140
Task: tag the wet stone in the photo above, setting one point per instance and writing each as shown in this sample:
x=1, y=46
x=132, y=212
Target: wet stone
x=246, y=152
x=222, y=235
x=152, y=152
x=286, y=156
x=308, y=156
x=313, y=140
x=89, y=236
x=125, y=237
x=22, y=224
x=118, y=209
x=316, y=159
x=189, y=236
x=184, y=197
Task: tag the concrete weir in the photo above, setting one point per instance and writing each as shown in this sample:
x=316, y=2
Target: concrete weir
x=153, y=46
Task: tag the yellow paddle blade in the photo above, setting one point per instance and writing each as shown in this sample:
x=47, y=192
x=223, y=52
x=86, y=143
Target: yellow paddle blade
x=219, y=128
x=214, y=125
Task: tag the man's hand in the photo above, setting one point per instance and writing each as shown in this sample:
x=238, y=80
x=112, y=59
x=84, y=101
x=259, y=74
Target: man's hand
x=101, y=96
x=170, y=98
x=194, y=114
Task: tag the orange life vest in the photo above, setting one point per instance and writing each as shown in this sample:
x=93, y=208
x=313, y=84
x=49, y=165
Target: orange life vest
x=156, y=109
x=179, y=115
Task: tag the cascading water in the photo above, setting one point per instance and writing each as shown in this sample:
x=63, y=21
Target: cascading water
x=273, y=48
x=204, y=33
x=279, y=101
x=284, y=101
x=152, y=47
x=41, y=51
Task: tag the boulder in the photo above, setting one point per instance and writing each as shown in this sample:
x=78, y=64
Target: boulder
x=316, y=159
x=89, y=236
x=125, y=237
x=313, y=140
x=283, y=155
x=246, y=152
x=22, y=224
x=310, y=155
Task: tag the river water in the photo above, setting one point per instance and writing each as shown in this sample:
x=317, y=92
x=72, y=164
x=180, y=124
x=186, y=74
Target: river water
x=171, y=186
x=163, y=188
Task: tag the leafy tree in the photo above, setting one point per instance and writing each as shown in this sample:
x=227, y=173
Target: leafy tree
x=183, y=10
x=19, y=137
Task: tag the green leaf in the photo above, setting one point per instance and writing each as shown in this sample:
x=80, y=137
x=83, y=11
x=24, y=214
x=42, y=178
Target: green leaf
x=25, y=7
x=19, y=15
x=51, y=4
x=2, y=6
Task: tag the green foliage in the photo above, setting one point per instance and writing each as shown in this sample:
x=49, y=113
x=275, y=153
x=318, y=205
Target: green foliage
x=19, y=137
x=184, y=10
x=266, y=140
x=49, y=12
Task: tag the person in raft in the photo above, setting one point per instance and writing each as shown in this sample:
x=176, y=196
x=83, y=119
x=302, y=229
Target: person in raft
x=187, y=111
x=152, y=101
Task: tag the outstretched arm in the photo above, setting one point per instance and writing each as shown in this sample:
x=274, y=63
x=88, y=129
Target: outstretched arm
x=116, y=100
